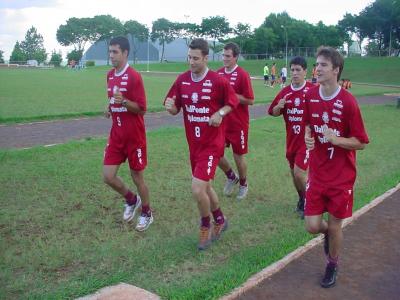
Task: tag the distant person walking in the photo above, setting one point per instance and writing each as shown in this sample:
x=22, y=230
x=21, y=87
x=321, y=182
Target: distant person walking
x=266, y=75
x=127, y=140
x=273, y=75
x=334, y=131
x=284, y=76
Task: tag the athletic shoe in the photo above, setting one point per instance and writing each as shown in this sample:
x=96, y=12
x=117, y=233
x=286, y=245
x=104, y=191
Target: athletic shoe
x=219, y=229
x=326, y=244
x=300, y=208
x=329, y=278
x=130, y=210
x=144, y=222
x=229, y=185
x=204, y=238
x=243, y=189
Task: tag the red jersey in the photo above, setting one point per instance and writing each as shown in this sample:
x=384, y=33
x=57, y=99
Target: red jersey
x=293, y=112
x=239, y=79
x=199, y=100
x=331, y=165
x=126, y=126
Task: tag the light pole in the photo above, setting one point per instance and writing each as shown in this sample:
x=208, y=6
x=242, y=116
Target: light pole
x=284, y=28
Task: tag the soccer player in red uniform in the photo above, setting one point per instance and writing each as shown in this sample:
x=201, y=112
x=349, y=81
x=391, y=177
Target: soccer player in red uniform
x=127, y=140
x=289, y=102
x=205, y=99
x=334, y=131
x=237, y=122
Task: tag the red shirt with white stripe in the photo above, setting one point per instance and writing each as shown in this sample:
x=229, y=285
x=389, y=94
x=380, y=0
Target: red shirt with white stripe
x=330, y=165
x=126, y=126
x=199, y=100
x=239, y=79
x=293, y=112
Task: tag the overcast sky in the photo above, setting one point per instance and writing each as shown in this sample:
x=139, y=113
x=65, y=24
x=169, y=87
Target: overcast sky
x=17, y=16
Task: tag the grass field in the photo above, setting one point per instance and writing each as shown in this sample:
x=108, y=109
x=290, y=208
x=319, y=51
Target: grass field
x=35, y=94
x=61, y=229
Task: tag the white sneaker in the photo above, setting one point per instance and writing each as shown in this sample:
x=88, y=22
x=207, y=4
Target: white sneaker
x=242, y=192
x=229, y=185
x=130, y=210
x=144, y=222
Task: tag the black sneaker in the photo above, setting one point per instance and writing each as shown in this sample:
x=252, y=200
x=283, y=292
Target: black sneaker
x=300, y=208
x=326, y=244
x=329, y=278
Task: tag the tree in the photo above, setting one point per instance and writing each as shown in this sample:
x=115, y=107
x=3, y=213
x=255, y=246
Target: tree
x=77, y=32
x=56, y=58
x=1, y=57
x=105, y=28
x=215, y=28
x=243, y=33
x=17, y=55
x=187, y=31
x=75, y=55
x=265, y=40
x=165, y=32
x=32, y=46
x=139, y=32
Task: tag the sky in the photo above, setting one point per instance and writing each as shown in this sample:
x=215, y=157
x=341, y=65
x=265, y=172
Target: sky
x=17, y=16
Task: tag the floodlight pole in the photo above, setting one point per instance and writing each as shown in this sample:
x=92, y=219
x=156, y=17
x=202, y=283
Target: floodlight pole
x=286, y=49
x=148, y=53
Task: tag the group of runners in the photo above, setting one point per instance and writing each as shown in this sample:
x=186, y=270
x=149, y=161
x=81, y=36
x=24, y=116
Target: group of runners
x=324, y=127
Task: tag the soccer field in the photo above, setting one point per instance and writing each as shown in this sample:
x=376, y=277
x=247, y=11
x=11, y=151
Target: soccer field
x=62, y=234
x=40, y=94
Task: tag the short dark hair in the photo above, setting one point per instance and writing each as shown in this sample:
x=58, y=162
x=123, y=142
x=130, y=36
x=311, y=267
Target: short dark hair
x=200, y=44
x=234, y=47
x=334, y=56
x=122, y=42
x=299, y=60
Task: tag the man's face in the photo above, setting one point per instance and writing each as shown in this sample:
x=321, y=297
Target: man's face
x=298, y=74
x=117, y=57
x=197, y=61
x=325, y=70
x=228, y=59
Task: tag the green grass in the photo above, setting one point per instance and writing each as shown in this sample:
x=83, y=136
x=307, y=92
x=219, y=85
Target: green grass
x=61, y=229
x=35, y=94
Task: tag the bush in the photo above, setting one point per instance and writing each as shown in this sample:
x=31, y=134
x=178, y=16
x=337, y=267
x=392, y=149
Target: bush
x=90, y=63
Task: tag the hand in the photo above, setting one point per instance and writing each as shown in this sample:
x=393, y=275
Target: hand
x=308, y=139
x=281, y=103
x=170, y=104
x=118, y=98
x=215, y=120
x=329, y=134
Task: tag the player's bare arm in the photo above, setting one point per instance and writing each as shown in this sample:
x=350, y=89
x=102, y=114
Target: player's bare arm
x=170, y=105
x=309, y=140
x=216, y=118
x=276, y=111
x=244, y=100
x=350, y=143
x=107, y=112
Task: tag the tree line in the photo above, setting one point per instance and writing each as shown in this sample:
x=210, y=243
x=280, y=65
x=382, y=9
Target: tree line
x=379, y=23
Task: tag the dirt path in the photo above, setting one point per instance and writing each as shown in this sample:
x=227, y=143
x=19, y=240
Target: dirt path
x=61, y=131
x=369, y=264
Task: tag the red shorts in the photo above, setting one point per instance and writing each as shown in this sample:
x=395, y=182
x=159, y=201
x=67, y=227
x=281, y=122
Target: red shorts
x=204, y=167
x=299, y=159
x=338, y=201
x=116, y=154
x=238, y=139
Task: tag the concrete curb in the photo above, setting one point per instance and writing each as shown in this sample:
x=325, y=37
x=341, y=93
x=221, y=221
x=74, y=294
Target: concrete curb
x=279, y=265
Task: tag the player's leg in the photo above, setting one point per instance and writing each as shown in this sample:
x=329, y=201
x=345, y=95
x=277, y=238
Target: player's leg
x=299, y=179
x=200, y=194
x=146, y=216
x=241, y=165
x=220, y=222
x=335, y=236
x=231, y=177
x=116, y=183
